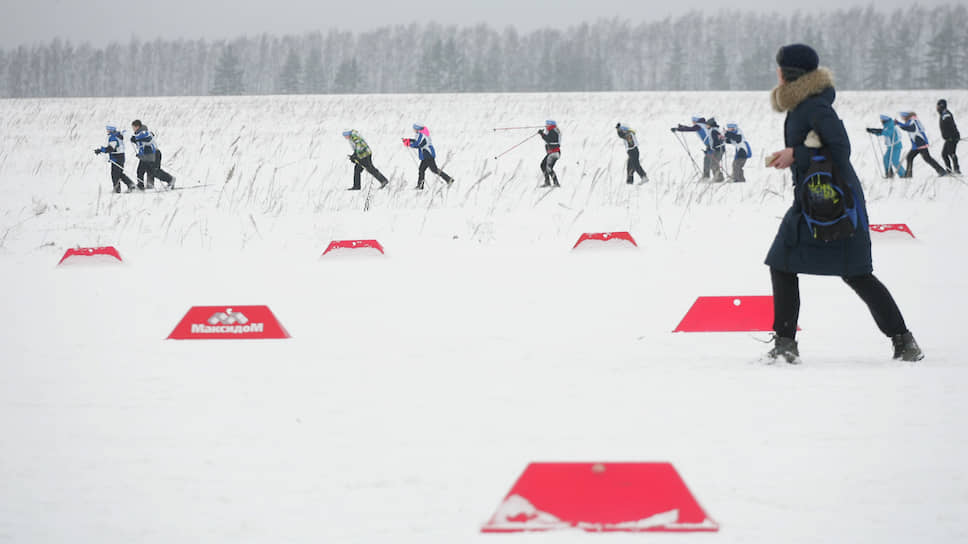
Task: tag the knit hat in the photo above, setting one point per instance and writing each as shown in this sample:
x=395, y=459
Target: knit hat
x=347, y=133
x=943, y=104
x=550, y=123
x=798, y=56
x=111, y=129
x=885, y=118
x=696, y=119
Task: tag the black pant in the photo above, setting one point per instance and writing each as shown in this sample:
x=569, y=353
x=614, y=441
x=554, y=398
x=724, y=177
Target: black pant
x=948, y=155
x=431, y=163
x=117, y=172
x=633, y=166
x=738, y=163
x=548, y=167
x=711, y=163
x=153, y=170
x=786, y=303
x=366, y=163
x=927, y=158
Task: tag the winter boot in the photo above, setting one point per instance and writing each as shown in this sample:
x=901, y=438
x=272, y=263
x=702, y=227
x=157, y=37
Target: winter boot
x=785, y=348
x=384, y=183
x=420, y=185
x=141, y=186
x=905, y=348
x=117, y=186
x=171, y=184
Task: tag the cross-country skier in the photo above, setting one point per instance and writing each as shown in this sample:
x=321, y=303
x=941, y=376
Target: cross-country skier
x=552, y=138
x=893, y=145
x=950, y=135
x=632, y=148
x=362, y=159
x=919, y=143
x=149, y=157
x=713, y=152
x=115, y=151
x=427, y=154
x=734, y=137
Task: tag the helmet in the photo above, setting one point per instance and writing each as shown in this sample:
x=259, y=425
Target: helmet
x=550, y=123
x=731, y=126
x=698, y=119
x=111, y=129
x=347, y=133
x=885, y=118
x=943, y=104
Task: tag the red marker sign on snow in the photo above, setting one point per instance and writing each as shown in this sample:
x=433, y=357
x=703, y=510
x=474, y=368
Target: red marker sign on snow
x=895, y=227
x=593, y=239
x=340, y=246
x=90, y=255
x=600, y=497
x=729, y=314
x=228, y=323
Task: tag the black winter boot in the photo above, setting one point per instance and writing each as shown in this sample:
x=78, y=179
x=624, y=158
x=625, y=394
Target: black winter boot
x=785, y=348
x=905, y=348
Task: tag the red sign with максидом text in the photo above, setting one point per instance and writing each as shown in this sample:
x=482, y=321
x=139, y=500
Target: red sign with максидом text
x=228, y=323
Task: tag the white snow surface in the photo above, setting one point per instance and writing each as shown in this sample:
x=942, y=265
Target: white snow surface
x=418, y=385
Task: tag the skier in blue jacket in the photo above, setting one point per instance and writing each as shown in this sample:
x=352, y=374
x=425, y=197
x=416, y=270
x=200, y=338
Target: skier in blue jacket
x=919, y=143
x=149, y=157
x=714, y=145
x=115, y=151
x=892, y=143
x=734, y=137
x=428, y=155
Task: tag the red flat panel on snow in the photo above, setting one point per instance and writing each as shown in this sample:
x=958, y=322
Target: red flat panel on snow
x=90, y=254
x=729, y=314
x=899, y=227
x=599, y=497
x=353, y=244
x=228, y=322
x=605, y=237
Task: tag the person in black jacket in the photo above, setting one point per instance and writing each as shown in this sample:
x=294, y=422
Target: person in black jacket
x=806, y=93
x=552, y=137
x=950, y=135
x=632, y=166
x=115, y=152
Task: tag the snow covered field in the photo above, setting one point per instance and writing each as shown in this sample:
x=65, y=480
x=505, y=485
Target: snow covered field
x=417, y=386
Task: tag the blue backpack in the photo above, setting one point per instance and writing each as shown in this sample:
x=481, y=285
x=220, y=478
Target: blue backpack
x=827, y=202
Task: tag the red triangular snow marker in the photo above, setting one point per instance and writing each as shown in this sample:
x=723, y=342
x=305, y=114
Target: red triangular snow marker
x=900, y=227
x=90, y=254
x=605, y=237
x=599, y=497
x=729, y=314
x=228, y=323
x=338, y=245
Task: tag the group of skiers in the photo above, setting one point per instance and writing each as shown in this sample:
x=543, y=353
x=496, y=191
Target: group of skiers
x=149, y=158
x=919, y=142
x=713, y=137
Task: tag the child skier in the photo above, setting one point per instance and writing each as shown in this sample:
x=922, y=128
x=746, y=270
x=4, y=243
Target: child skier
x=362, y=159
x=734, y=137
x=919, y=143
x=713, y=152
x=115, y=151
x=552, y=137
x=892, y=143
x=149, y=157
x=632, y=148
x=427, y=154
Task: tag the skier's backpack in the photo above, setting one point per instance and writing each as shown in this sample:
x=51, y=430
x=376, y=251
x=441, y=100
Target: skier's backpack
x=827, y=203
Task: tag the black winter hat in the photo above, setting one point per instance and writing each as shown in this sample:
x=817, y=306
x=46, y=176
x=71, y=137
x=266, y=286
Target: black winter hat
x=943, y=103
x=799, y=56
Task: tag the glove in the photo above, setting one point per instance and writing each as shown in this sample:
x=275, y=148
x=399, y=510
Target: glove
x=352, y=158
x=133, y=140
x=674, y=129
x=97, y=151
x=541, y=131
x=406, y=142
x=872, y=130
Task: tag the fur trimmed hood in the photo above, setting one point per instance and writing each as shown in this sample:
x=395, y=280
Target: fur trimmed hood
x=788, y=96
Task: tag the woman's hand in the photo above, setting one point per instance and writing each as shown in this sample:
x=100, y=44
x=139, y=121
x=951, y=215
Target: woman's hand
x=781, y=159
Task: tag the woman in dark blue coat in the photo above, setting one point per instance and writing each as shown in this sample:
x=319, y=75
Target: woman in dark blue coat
x=806, y=93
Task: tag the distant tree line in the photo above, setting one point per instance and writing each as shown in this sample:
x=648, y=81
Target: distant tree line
x=731, y=50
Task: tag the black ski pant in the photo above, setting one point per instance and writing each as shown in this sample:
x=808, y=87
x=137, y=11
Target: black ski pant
x=927, y=158
x=430, y=163
x=548, y=167
x=633, y=167
x=739, y=161
x=786, y=303
x=949, y=157
x=117, y=172
x=712, y=163
x=366, y=163
x=153, y=170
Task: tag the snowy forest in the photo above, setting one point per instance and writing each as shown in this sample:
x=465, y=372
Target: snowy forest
x=729, y=50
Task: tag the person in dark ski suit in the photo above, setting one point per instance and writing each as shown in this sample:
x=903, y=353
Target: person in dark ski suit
x=893, y=145
x=806, y=94
x=427, y=154
x=632, y=148
x=552, y=138
x=951, y=137
x=734, y=137
x=362, y=159
x=919, y=143
x=713, y=142
x=115, y=151
x=149, y=157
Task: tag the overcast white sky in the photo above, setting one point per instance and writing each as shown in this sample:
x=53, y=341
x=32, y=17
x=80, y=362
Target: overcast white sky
x=102, y=21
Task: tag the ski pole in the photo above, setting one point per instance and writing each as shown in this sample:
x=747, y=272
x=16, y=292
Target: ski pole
x=684, y=146
x=874, y=149
x=516, y=128
x=508, y=150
